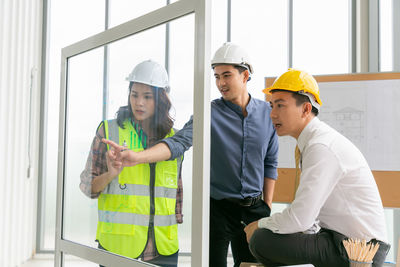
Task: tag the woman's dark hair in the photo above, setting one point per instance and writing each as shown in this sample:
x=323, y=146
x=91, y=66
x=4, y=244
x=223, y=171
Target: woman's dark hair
x=161, y=122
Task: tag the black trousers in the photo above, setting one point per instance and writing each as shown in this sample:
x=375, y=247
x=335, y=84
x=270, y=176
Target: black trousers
x=323, y=249
x=226, y=227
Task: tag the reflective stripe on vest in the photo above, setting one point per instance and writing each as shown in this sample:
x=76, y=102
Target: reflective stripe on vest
x=140, y=190
x=124, y=205
x=136, y=219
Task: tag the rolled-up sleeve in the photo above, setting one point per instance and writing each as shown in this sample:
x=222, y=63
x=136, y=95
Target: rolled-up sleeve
x=271, y=157
x=181, y=141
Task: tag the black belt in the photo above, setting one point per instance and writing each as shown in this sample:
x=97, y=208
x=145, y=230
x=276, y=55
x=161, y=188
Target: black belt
x=245, y=202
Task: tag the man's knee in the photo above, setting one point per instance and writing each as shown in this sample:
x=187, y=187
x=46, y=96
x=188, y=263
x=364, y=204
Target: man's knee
x=259, y=243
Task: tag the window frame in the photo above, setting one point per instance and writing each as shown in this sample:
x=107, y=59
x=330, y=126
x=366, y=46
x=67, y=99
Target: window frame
x=201, y=128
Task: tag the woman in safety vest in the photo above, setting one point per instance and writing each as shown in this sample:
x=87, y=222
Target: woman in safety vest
x=139, y=207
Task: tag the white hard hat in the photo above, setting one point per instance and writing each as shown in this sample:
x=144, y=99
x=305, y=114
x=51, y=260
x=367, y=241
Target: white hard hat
x=151, y=73
x=232, y=54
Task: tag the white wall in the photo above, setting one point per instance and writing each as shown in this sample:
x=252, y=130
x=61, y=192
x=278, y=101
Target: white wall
x=20, y=46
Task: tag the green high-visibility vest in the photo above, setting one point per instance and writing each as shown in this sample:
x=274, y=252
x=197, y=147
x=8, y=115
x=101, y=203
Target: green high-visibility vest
x=124, y=207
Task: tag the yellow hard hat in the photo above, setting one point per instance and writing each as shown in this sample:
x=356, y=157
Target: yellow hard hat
x=298, y=81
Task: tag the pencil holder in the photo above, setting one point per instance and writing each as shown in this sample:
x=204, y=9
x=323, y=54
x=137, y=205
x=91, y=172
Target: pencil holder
x=360, y=264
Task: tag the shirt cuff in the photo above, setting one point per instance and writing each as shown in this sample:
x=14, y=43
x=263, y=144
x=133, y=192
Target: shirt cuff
x=174, y=150
x=267, y=223
x=271, y=173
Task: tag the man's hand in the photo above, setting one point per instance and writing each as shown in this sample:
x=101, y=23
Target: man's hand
x=120, y=156
x=249, y=229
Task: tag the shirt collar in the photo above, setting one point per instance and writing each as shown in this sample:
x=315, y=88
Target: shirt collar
x=237, y=108
x=306, y=133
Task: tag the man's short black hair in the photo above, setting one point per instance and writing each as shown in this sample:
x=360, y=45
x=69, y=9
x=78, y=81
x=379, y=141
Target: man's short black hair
x=300, y=99
x=240, y=68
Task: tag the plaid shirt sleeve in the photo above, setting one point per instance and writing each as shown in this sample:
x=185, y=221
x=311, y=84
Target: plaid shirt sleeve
x=179, y=200
x=96, y=163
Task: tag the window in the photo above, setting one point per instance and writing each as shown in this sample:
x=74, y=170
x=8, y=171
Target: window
x=386, y=35
x=321, y=36
x=261, y=28
x=121, y=11
x=64, y=29
x=320, y=41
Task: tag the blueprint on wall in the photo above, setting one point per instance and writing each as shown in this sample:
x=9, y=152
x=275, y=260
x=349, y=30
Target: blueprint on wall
x=367, y=113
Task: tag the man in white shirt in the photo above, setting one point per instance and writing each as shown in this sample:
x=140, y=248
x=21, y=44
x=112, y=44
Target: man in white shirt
x=337, y=197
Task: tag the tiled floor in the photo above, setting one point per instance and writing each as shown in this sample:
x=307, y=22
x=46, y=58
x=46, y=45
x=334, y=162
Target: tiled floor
x=47, y=260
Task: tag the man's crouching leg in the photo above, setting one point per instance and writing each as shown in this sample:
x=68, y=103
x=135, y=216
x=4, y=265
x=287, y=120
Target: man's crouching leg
x=262, y=248
x=319, y=249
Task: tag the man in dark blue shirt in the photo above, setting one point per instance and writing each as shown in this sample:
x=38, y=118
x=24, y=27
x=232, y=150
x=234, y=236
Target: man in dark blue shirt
x=244, y=156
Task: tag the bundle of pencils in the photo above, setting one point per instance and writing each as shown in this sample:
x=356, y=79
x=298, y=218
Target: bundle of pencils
x=360, y=250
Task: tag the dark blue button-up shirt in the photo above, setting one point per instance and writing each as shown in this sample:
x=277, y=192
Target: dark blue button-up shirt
x=244, y=150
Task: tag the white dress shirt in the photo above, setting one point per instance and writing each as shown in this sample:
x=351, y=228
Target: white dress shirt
x=337, y=189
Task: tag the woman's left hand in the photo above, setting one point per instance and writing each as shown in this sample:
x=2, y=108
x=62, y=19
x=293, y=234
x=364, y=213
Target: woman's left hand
x=114, y=168
x=121, y=156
